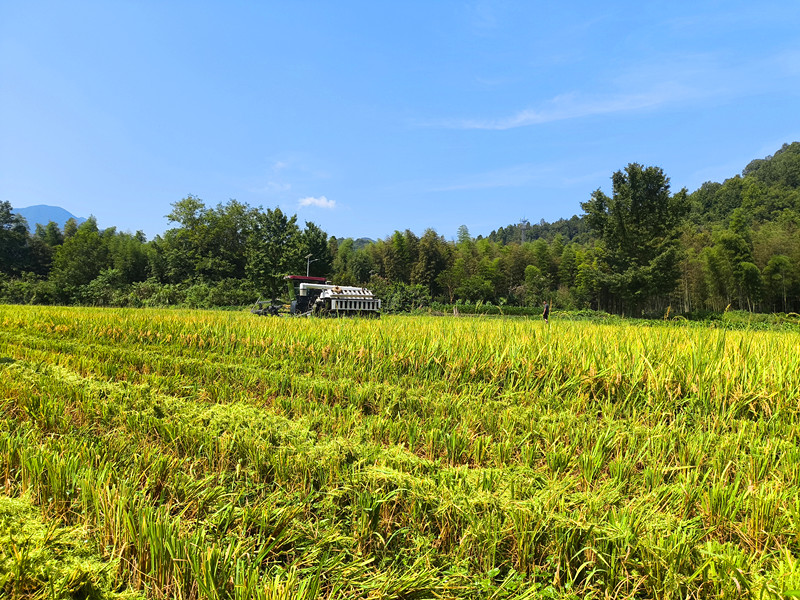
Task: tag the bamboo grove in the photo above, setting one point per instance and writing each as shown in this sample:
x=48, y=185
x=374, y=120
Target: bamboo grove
x=214, y=455
x=642, y=250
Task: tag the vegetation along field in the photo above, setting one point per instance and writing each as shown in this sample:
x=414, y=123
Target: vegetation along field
x=218, y=455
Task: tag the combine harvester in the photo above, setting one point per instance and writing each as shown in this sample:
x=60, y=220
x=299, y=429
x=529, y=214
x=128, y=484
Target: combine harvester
x=314, y=296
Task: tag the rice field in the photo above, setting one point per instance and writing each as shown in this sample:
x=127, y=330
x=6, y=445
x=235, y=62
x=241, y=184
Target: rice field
x=218, y=455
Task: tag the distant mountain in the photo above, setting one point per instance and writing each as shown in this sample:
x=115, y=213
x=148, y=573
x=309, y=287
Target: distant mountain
x=362, y=242
x=358, y=244
x=41, y=213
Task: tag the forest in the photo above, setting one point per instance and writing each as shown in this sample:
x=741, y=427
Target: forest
x=644, y=250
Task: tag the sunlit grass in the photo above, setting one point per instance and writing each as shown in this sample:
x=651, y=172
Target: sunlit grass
x=222, y=455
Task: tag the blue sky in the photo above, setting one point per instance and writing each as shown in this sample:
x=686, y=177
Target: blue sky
x=366, y=117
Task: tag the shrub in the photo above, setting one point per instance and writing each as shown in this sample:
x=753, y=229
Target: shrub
x=27, y=289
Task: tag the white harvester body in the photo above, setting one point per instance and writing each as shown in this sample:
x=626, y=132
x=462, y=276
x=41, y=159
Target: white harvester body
x=341, y=299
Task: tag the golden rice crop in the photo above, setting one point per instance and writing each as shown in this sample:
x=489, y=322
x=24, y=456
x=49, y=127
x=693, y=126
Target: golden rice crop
x=219, y=455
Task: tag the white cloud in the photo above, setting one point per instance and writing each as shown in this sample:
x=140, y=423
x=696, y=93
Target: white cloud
x=321, y=202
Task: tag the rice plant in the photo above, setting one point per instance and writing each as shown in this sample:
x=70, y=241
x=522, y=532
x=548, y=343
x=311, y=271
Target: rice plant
x=214, y=455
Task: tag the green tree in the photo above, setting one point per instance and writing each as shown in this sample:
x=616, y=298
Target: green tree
x=223, y=248
x=639, y=226
x=361, y=266
x=751, y=284
x=451, y=278
x=315, y=243
x=274, y=249
x=475, y=288
x=463, y=235
x=180, y=248
x=568, y=268
x=702, y=201
x=536, y=288
x=128, y=256
x=543, y=261
x=50, y=234
x=14, y=248
x=732, y=256
x=587, y=279
x=515, y=258
x=342, y=273
x=43, y=244
x=397, y=259
x=208, y=245
x=70, y=228
x=79, y=260
x=433, y=257
x=490, y=270
x=778, y=278
x=780, y=170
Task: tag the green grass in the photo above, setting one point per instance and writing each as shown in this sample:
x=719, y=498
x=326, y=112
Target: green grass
x=217, y=455
x=46, y=560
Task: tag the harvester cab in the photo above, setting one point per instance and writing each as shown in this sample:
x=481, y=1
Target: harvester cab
x=300, y=301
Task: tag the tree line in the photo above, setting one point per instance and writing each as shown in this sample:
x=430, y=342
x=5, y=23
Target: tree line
x=644, y=249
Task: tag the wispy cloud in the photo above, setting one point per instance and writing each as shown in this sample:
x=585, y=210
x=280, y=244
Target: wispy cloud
x=648, y=84
x=321, y=202
x=575, y=106
x=690, y=78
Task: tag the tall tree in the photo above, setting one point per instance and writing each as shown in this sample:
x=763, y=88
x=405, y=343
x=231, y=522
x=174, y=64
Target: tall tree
x=639, y=226
x=14, y=251
x=209, y=244
x=342, y=273
x=568, y=267
x=432, y=258
x=777, y=279
x=733, y=267
x=79, y=259
x=274, y=249
x=128, y=255
x=315, y=243
x=397, y=260
x=50, y=234
x=70, y=228
x=361, y=265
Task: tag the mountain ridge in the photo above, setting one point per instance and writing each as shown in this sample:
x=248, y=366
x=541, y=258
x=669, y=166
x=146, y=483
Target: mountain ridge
x=42, y=214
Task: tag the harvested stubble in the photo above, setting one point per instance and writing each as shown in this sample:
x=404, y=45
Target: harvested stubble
x=221, y=456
